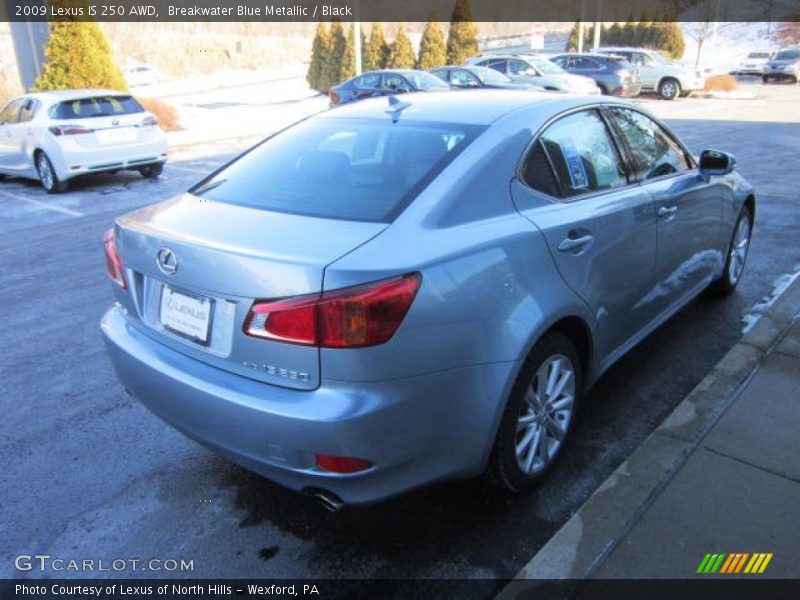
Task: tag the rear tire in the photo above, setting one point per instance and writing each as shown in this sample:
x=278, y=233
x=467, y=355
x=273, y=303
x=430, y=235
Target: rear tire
x=151, y=171
x=764, y=79
x=738, y=249
x=669, y=88
x=538, y=416
x=47, y=175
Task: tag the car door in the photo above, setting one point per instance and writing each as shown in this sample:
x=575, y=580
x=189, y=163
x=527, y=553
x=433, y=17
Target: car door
x=646, y=66
x=600, y=227
x=10, y=152
x=689, y=209
x=22, y=133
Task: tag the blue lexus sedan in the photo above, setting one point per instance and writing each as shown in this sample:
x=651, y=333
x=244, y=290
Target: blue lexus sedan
x=417, y=289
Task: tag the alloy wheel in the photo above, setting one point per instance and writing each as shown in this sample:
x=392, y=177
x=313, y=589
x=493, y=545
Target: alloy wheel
x=739, y=248
x=545, y=414
x=45, y=172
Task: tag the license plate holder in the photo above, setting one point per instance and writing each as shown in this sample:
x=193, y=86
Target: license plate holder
x=186, y=315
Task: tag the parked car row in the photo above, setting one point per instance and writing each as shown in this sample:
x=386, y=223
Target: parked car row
x=615, y=71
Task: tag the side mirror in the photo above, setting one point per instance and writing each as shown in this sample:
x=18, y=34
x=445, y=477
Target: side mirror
x=530, y=73
x=714, y=162
x=402, y=89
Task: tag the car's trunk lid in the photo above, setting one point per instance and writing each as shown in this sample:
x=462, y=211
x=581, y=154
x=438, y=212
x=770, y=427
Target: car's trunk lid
x=217, y=258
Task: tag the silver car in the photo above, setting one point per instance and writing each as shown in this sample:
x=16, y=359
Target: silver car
x=400, y=292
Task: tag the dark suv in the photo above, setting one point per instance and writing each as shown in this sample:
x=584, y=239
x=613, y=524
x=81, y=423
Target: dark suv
x=613, y=74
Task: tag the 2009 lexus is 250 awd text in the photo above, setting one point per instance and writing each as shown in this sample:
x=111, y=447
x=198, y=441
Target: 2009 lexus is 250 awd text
x=395, y=293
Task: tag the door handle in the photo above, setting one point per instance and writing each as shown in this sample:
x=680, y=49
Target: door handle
x=571, y=244
x=666, y=212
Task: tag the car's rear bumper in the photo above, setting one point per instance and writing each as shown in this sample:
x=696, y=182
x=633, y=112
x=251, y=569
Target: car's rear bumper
x=415, y=430
x=73, y=160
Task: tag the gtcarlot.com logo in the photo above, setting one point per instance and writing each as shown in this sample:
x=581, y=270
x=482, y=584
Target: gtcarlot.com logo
x=736, y=562
x=45, y=562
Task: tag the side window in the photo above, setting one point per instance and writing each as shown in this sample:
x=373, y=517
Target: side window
x=10, y=113
x=581, y=154
x=654, y=152
x=442, y=74
x=368, y=81
x=392, y=81
x=561, y=61
x=463, y=78
x=497, y=65
x=518, y=67
x=584, y=64
x=28, y=110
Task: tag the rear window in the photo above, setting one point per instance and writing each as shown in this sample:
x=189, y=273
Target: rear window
x=353, y=169
x=96, y=106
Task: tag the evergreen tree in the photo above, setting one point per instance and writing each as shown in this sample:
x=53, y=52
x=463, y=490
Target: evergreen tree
x=348, y=64
x=402, y=53
x=672, y=42
x=77, y=55
x=614, y=35
x=331, y=72
x=628, y=32
x=572, y=40
x=376, y=53
x=432, y=47
x=462, y=39
x=320, y=52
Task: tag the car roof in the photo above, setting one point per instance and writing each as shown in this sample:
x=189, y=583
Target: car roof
x=624, y=48
x=480, y=107
x=583, y=54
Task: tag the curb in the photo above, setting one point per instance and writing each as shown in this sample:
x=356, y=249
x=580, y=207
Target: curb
x=591, y=535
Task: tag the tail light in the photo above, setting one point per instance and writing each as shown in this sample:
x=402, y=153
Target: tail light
x=354, y=317
x=113, y=262
x=70, y=130
x=150, y=121
x=334, y=97
x=342, y=464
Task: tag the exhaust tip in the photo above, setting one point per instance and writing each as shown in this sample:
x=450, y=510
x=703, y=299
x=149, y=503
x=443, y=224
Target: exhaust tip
x=328, y=500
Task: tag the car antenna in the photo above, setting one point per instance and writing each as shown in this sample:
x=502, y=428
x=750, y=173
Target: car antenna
x=396, y=107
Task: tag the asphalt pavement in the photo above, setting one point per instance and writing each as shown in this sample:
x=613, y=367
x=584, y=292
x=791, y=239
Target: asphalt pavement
x=90, y=473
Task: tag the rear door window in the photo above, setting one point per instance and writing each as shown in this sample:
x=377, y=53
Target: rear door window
x=353, y=169
x=96, y=106
x=580, y=155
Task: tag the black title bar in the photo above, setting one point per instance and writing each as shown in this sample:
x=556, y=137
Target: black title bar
x=398, y=10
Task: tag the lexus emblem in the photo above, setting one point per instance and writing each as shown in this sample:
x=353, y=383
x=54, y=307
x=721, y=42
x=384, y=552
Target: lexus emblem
x=115, y=122
x=167, y=261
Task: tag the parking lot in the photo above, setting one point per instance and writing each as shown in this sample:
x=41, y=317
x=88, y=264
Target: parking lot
x=88, y=472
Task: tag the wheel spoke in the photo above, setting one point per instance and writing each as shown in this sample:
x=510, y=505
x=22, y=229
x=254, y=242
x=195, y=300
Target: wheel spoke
x=555, y=371
x=525, y=421
x=564, y=404
x=555, y=429
x=533, y=450
x=559, y=387
x=526, y=440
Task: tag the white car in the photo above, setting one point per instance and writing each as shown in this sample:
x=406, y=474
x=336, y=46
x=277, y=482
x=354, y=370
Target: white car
x=669, y=79
x=754, y=63
x=57, y=136
x=138, y=75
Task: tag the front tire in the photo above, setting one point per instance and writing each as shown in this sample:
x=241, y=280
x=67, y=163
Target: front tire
x=538, y=417
x=47, y=175
x=764, y=79
x=737, y=254
x=669, y=88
